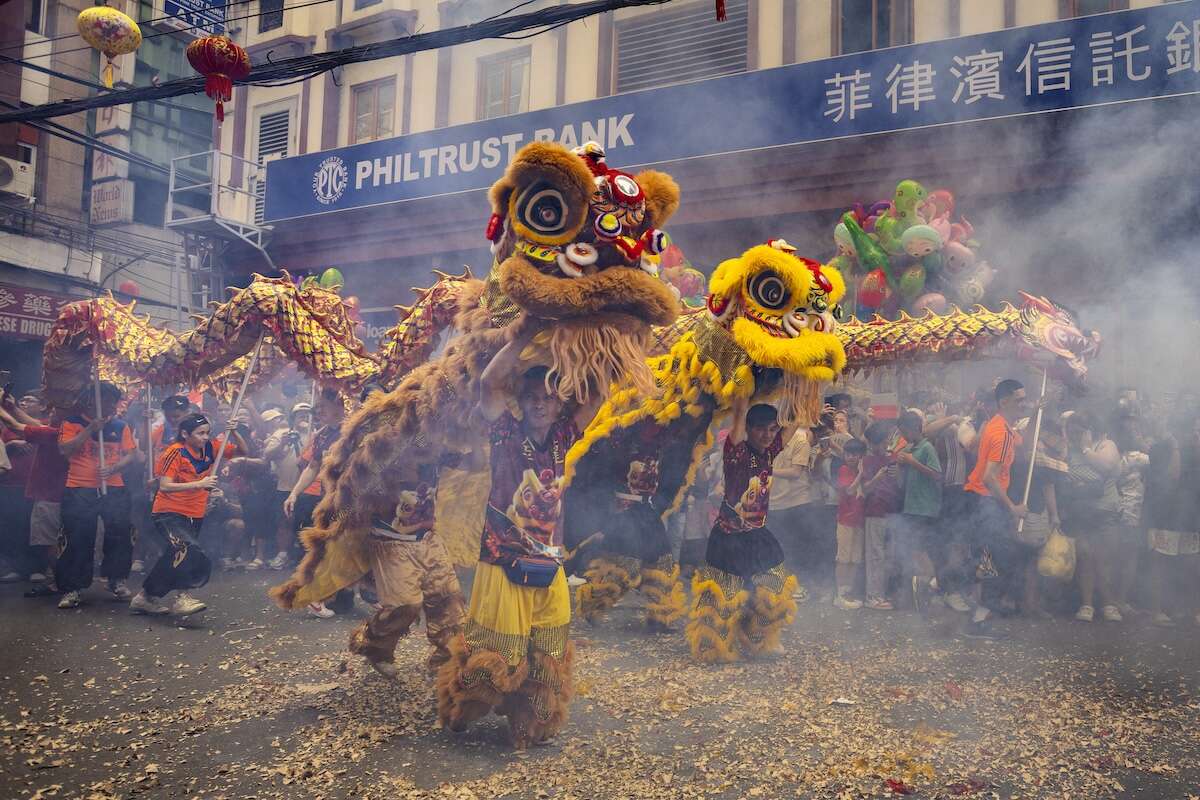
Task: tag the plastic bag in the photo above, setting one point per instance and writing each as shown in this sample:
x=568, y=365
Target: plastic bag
x=1057, y=559
x=1036, y=530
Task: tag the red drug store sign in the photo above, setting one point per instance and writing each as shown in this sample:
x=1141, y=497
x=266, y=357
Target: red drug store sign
x=28, y=313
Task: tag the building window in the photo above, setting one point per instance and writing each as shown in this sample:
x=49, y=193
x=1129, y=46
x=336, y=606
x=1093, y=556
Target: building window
x=27, y=153
x=270, y=15
x=361, y=4
x=372, y=111
x=1083, y=8
x=35, y=16
x=272, y=140
x=862, y=25
x=503, y=86
x=679, y=44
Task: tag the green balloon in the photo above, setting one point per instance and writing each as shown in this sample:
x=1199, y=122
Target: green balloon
x=332, y=279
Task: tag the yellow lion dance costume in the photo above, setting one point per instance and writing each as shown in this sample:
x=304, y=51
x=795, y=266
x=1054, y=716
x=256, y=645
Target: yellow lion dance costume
x=767, y=334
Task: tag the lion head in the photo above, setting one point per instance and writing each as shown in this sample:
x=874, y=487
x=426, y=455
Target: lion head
x=1052, y=337
x=781, y=309
x=572, y=236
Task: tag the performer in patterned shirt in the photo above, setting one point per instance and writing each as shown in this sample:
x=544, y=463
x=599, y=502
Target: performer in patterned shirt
x=515, y=654
x=743, y=593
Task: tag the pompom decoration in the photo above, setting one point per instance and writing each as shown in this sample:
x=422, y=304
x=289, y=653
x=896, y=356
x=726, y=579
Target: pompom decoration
x=130, y=288
x=111, y=32
x=873, y=291
x=221, y=62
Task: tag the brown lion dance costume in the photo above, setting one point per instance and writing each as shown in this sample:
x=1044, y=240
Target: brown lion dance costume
x=767, y=335
x=569, y=236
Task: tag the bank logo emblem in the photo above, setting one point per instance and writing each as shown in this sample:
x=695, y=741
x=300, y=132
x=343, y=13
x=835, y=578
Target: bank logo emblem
x=330, y=180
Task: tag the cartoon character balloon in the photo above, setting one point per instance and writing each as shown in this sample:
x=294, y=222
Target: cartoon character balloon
x=111, y=32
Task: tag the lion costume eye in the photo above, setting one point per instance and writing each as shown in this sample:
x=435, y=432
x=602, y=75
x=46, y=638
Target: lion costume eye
x=543, y=210
x=768, y=289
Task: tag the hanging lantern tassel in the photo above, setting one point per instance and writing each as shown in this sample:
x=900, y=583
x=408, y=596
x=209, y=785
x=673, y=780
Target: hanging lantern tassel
x=221, y=62
x=107, y=73
x=720, y=10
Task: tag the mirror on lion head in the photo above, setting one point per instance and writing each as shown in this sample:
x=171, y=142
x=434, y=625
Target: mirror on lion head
x=781, y=309
x=571, y=235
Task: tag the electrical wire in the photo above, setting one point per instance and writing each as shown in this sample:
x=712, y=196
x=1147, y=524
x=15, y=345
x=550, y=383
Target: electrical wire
x=75, y=137
x=196, y=27
x=316, y=64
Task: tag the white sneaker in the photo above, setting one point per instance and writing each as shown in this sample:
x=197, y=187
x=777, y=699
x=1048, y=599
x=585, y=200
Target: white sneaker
x=1163, y=621
x=185, y=605
x=574, y=580
x=144, y=604
x=319, y=611
x=69, y=600
x=253, y=565
x=138, y=566
x=278, y=562
x=1112, y=614
x=119, y=590
x=10, y=577
x=958, y=602
x=1085, y=614
x=37, y=577
x=847, y=603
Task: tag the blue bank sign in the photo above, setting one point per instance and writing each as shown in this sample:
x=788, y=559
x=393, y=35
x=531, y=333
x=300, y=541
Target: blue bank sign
x=200, y=17
x=1109, y=58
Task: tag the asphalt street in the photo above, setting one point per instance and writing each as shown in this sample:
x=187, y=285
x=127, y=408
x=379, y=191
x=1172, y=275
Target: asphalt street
x=247, y=701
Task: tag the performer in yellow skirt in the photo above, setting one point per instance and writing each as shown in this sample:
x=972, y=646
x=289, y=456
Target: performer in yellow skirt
x=742, y=596
x=514, y=656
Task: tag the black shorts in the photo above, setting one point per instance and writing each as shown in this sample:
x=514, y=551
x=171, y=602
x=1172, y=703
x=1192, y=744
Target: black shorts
x=743, y=553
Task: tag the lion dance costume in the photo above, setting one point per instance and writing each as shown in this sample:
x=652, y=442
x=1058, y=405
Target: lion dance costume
x=571, y=239
x=767, y=334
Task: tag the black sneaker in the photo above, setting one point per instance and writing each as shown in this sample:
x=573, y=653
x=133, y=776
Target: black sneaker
x=981, y=630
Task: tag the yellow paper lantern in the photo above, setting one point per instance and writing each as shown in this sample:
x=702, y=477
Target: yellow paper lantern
x=111, y=32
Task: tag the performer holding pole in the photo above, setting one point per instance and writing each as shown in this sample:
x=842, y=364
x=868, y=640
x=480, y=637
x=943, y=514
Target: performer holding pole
x=100, y=432
x=237, y=401
x=1037, y=430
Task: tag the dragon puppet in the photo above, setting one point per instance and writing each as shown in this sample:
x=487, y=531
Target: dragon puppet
x=308, y=326
x=769, y=333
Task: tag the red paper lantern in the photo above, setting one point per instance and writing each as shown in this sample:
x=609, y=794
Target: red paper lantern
x=221, y=62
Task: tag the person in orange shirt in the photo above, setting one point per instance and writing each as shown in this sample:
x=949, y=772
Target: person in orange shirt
x=184, y=481
x=993, y=519
x=83, y=503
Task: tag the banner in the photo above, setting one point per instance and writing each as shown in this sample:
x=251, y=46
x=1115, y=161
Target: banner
x=1108, y=58
x=29, y=313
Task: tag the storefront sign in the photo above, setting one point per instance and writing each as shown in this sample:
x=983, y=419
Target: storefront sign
x=106, y=166
x=112, y=202
x=1109, y=58
x=198, y=17
x=28, y=313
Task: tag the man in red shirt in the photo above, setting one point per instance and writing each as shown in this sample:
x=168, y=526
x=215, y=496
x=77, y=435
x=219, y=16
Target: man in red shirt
x=83, y=503
x=43, y=488
x=992, y=525
x=14, y=508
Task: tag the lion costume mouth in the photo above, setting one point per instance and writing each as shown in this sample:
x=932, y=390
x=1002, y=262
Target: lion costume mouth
x=782, y=310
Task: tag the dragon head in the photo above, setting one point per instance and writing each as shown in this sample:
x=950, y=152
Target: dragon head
x=781, y=309
x=571, y=235
x=1052, y=337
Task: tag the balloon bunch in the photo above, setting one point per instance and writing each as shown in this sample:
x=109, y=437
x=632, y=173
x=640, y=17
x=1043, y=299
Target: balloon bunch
x=910, y=253
x=689, y=283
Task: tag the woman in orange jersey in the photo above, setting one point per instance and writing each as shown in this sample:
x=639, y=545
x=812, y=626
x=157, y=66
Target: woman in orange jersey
x=185, y=480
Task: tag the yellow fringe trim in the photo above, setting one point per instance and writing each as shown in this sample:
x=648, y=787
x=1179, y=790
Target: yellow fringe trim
x=607, y=583
x=763, y=619
x=665, y=600
x=708, y=646
x=712, y=629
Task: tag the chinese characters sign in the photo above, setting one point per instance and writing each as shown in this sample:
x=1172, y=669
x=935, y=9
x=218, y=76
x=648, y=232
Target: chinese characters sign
x=28, y=313
x=1090, y=61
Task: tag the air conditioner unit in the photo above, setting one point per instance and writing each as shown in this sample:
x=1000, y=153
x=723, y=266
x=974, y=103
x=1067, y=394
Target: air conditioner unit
x=16, y=177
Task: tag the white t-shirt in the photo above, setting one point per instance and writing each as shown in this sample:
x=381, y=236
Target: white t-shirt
x=787, y=492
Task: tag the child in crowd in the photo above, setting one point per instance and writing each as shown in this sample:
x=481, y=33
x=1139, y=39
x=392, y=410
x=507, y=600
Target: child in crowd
x=881, y=490
x=921, y=473
x=850, y=521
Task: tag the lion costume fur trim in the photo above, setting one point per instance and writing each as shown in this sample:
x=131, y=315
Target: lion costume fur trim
x=666, y=603
x=537, y=711
x=711, y=631
x=470, y=684
x=545, y=162
x=764, y=617
x=607, y=582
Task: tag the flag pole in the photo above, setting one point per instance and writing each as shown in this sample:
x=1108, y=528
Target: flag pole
x=237, y=401
x=100, y=433
x=1037, y=430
